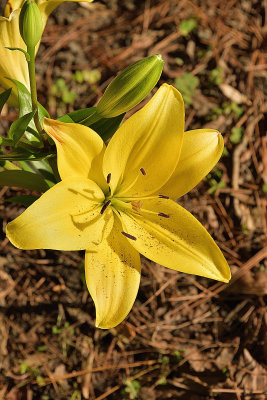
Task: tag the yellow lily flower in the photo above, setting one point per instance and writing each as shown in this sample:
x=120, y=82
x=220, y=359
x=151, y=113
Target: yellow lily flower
x=117, y=202
x=13, y=63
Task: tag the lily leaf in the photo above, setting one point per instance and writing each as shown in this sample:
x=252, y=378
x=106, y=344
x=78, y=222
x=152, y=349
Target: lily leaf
x=4, y=97
x=24, y=200
x=27, y=56
x=19, y=127
x=24, y=155
x=25, y=106
x=25, y=179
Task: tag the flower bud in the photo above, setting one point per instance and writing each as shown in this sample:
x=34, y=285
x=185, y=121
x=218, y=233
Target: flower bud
x=130, y=87
x=30, y=23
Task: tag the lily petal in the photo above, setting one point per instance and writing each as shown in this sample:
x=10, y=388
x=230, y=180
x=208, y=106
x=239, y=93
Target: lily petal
x=143, y=153
x=112, y=274
x=178, y=242
x=66, y=217
x=46, y=6
x=80, y=150
x=13, y=63
x=201, y=150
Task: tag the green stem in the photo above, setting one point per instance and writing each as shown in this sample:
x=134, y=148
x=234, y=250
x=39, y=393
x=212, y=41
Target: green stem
x=31, y=66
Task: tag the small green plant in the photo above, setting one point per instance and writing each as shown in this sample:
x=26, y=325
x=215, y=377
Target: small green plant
x=226, y=372
x=215, y=181
x=90, y=76
x=60, y=90
x=236, y=135
x=187, y=26
x=264, y=188
x=76, y=395
x=244, y=229
x=187, y=85
x=132, y=388
x=25, y=367
x=216, y=76
x=226, y=109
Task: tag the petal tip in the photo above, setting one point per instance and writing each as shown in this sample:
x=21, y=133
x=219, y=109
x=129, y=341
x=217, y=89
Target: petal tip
x=11, y=235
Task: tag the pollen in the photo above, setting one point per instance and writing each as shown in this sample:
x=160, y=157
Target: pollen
x=136, y=205
x=105, y=206
x=128, y=235
x=143, y=171
x=163, y=215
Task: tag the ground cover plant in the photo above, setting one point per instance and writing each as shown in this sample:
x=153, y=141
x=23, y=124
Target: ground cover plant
x=186, y=337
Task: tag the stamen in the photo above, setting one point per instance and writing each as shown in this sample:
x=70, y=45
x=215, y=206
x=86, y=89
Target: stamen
x=128, y=235
x=163, y=215
x=105, y=206
x=161, y=196
x=143, y=171
x=108, y=178
x=136, y=205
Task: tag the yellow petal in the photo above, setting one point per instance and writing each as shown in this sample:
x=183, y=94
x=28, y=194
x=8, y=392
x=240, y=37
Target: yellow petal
x=143, y=153
x=46, y=6
x=66, y=217
x=179, y=242
x=80, y=150
x=112, y=274
x=13, y=63
x=201, y=150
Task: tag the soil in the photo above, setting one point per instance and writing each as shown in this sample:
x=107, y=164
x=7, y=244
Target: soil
x=186, y=337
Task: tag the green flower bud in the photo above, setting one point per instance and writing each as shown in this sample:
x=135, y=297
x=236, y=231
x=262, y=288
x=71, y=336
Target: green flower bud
x=30, y=23
x=130, y=87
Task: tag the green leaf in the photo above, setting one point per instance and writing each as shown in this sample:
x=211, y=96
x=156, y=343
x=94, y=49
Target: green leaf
x=4, y=97
x=187, y=84
x=19, y=127
x=6, y=141
x=216, y=76
x=23, y=155
x=187, y=26
x=23, y=179
x=25, y=106
x=24, y=200
x=106, y=127
x=27, y=55
x=236, y=134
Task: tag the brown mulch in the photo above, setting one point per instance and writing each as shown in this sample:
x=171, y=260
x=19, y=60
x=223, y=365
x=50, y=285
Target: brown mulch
x=187, y=337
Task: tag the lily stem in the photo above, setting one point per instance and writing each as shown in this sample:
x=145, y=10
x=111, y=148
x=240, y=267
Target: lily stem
x=31, y=66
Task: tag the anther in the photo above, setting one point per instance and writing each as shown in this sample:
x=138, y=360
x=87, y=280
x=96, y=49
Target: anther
x=143, y=171
x=105, y=206
x=108, y=178
x=163, y=215
x=161, y=196
x=128, y=236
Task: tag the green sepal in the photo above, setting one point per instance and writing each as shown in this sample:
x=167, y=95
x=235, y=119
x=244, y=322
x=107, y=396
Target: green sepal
x=106, y=127
x=85, y=116
x=24, y=200
x=18, y=127
x=20, y=178
x=4, y=97
x=27, y=55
